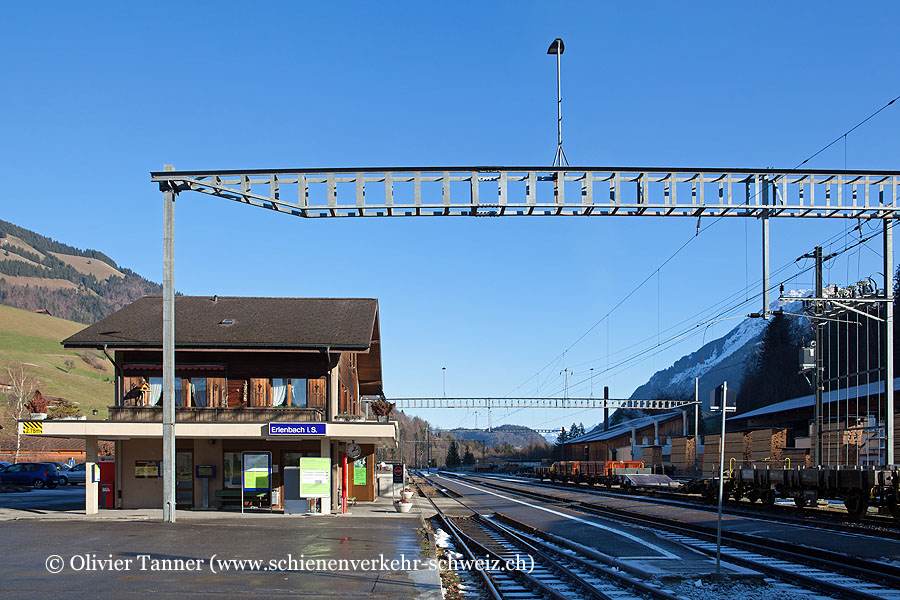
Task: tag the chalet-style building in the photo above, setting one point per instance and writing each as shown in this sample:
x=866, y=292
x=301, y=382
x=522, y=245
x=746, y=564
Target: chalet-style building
x=244, y=368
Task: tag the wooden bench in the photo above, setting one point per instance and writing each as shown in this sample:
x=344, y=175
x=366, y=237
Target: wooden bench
x=231, y=495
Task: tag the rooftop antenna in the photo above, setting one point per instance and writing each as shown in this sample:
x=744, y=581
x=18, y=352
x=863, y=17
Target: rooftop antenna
x=557, y=48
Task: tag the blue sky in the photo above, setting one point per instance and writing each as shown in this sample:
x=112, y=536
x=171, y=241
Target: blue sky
x=95, y=97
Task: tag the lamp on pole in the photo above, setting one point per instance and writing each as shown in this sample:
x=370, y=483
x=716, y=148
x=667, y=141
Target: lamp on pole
x=721, y=393
x=557, y=48
x=444, y=376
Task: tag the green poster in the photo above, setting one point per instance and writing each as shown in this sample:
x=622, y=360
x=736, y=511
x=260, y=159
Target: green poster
x=315, y=477
x=257, y=471
x=359, y=472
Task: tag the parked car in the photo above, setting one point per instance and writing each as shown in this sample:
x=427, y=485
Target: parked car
x=74, y=475
x=4, y=464
x=37, y=475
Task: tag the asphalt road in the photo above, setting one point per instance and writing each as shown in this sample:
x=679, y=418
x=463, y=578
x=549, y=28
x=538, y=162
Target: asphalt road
x=68, y=498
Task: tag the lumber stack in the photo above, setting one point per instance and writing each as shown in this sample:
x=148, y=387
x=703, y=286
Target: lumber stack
x=682, y=457
x=735, y=452
x=765, y=444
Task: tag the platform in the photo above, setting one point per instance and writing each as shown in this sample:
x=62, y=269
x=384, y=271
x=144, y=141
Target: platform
x=368, y=534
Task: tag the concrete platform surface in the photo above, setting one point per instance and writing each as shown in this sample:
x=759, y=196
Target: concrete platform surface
x=215, y=555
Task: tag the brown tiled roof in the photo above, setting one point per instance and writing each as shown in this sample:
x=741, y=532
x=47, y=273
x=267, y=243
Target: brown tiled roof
x=286, y=323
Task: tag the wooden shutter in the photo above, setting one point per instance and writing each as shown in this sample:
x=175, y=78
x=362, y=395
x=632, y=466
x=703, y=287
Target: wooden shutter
x=315, y=393
x=216, y=392
x=259, y=392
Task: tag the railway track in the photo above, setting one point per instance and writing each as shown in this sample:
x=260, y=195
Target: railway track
x=838, y=520
x=543, y=570
x=827, y=572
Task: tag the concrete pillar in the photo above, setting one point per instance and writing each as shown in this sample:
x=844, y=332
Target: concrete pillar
x=91, y=489
x=325, y=451
x=656, y=433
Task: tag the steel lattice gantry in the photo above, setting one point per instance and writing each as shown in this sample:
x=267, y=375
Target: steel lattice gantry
x=507, y=191
x=480, y=191
x=501, y=403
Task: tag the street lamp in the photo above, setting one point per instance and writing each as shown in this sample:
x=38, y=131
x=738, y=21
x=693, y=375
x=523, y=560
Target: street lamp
x=444, y=375
x=557, y=48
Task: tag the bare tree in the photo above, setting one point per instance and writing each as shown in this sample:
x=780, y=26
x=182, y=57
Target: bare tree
x=22, y=385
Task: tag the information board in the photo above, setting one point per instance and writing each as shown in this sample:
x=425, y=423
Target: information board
x=359, y=471
x=257, y=467
x=146, y=468
x=315, y=477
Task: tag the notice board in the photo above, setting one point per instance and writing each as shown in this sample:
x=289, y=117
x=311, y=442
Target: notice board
x=257, y=467
x=315, y=477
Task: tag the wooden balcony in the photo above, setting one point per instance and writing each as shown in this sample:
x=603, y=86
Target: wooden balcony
x=245, y=414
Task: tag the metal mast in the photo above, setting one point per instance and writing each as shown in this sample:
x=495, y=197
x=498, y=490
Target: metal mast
x=557, y=48
x=168, y=416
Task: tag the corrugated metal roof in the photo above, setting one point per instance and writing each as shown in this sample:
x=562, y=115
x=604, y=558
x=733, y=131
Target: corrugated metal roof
x=597, y=434
x=852, y=393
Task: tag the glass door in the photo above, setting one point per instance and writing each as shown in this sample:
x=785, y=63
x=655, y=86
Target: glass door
x=184, y=479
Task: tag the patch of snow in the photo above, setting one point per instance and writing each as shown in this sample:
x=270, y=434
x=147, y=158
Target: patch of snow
x=441, y=538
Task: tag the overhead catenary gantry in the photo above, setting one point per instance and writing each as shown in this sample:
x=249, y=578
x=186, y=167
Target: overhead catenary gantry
x=560, y=191
x=495, y=191
x=565, y=403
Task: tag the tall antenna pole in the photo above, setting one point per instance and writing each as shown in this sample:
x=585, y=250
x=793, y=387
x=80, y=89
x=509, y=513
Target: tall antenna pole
x=557, y=48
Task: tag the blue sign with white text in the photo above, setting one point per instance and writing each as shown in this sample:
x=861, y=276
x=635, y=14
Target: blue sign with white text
x=296, y=428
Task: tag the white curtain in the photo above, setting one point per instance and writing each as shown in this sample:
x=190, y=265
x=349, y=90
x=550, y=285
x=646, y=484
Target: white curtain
x=155, y=390
x=279, y=392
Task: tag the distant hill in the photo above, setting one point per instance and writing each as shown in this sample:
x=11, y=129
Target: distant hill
x=34, y=340
x=37, y=272
x=517, y=436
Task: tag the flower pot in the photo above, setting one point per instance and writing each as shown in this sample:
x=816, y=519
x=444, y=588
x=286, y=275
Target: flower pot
x=401, y=506
x=406, y=494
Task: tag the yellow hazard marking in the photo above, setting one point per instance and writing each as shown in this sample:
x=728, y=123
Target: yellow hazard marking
x=32, y=427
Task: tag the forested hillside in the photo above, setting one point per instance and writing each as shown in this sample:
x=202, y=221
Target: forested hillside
x=37, y=272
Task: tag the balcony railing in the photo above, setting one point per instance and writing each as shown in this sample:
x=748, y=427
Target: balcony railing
x=192, y=414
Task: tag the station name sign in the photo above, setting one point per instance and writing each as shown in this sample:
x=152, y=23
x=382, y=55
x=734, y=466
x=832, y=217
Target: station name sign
x=296, y=428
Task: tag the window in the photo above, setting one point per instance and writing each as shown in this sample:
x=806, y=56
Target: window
x=289, y=392
x=198, y=391
x=298, y=393
x=155, y=391
x=231, y=470
x=178, y=391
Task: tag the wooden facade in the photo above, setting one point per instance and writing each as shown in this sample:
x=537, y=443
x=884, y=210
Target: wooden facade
x=241, y=379
x=623, y=440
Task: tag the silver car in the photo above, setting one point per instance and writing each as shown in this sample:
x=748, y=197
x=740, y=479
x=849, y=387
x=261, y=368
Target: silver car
x=73, y=475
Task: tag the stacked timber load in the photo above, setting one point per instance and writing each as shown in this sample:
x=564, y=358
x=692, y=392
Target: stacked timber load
x=793, y=457
x=735, y=448
x=682, y=457
x=766, y=445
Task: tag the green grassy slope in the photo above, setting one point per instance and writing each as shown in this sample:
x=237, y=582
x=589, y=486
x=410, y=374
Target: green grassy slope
x=35, y=339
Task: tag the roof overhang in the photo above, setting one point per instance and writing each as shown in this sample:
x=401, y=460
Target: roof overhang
x=368, y=432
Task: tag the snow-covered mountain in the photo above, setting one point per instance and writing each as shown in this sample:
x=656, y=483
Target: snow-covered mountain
x=722, y=359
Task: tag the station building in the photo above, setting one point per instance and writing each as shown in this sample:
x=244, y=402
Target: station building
x=285, y=376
